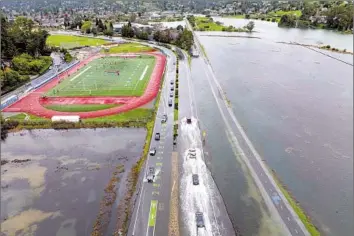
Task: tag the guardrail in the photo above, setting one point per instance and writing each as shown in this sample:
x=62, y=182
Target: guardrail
x=38, y=82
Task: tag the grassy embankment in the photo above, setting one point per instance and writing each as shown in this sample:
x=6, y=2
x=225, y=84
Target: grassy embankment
x=275, y=16
x=80, y=107
x=139, y=117
x=297, y=208
x=175, y=110
x=130, y=48
x=71, y=41
x=208, y=24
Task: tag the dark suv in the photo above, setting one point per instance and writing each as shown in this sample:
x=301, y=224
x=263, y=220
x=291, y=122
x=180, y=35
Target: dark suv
x=199, y=218
x=195, y=179
x=157, y=136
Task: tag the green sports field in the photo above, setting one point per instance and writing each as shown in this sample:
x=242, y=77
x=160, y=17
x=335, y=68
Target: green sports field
x=108, y=76
x=71, y=41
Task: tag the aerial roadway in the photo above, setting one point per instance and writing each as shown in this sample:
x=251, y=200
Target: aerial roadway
x=152, y=205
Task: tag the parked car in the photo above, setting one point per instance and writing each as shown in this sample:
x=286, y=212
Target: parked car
x=157, y=136
x=171, y=94
x=150, y=174
x=152, y=151
x=172, y=82
x=199, y=218
x=172, y=88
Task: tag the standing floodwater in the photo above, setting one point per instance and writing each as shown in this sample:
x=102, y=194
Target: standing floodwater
x=52, y=182
x=296, y=106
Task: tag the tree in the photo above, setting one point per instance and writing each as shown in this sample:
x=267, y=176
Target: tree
x=180, y=27
x=108, y=32
x=308, y=10
x=21, y=37
x=94, y=31
x=132, y=17
x=250, y=26
x=191, y=20
x=68, y=57
x=127, y=31
x=340, y=17
x=287, y=21
x=86, y=27
x=142, y=35
x=185, y=40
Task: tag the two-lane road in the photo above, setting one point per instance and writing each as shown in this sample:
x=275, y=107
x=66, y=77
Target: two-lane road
x=151, y=211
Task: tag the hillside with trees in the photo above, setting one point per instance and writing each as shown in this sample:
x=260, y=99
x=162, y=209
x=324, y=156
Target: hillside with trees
x=23, y=52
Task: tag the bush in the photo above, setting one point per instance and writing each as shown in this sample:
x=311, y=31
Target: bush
x=273, y=20
x=68, y=57
x=28, y=65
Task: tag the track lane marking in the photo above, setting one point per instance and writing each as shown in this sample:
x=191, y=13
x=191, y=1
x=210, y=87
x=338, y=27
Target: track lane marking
x=72, y=79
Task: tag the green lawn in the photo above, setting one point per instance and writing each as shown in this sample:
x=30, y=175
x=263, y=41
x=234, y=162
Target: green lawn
x=108, y=76
x=207, y=24
x=204, y=23
x=70, y=41
x=136, y=114
x=22, y=116
x=133, y=115
x=130, y=48
x=80, y=107
x=276, y=15
x=280, y=13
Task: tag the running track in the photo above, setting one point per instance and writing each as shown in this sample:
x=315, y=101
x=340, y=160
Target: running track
x=32, y=102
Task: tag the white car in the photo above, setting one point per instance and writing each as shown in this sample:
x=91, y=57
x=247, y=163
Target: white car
x=152, y=151
x=192, y=153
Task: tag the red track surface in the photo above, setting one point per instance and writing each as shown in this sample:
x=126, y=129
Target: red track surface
x=32, y=102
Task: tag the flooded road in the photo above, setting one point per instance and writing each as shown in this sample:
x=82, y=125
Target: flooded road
x=54, y=181
x=296, y=107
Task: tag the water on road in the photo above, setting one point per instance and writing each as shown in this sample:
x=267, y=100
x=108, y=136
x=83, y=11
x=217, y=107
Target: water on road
x=296, y=107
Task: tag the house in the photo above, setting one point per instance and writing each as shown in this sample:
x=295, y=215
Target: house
x=117, y=28
x=318, y=19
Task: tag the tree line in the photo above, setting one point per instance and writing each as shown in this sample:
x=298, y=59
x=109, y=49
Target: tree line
x=87, y=26
x=338, y=16
x=23, y=52
x=180, y=37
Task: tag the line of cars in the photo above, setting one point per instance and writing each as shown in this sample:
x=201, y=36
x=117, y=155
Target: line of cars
x=199, y=217
x=170, y=102
x=150, y=175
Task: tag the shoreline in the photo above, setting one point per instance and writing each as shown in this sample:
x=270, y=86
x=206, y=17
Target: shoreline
x=305, y=219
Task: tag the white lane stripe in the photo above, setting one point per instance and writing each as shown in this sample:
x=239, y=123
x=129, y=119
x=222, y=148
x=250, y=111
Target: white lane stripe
x=144, y=72
x=80, y=73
